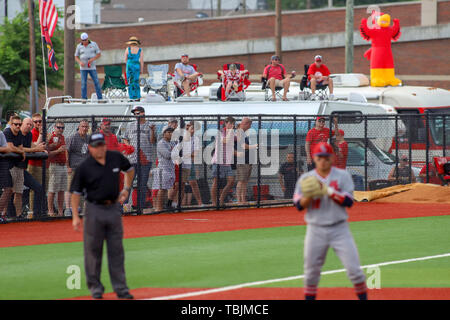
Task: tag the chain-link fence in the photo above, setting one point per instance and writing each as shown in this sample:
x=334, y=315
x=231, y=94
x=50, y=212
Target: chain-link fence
x=215, y=162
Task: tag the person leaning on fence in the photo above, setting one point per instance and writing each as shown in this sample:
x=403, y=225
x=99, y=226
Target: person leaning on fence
x=316, y=135
x=15, y=142
x=5, y=178
x=29, y=181
x=243, y=165
x=221, y=161
x=164, y=174
x=288, y=175
x=77, y=149
x=34, y=165
x=57, y=171
x=143, y=156
x=341, y=150
x=134, y=61
x=404, y=172
x=86, y=54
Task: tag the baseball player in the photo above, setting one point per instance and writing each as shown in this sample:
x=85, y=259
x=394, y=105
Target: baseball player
x=326, y=192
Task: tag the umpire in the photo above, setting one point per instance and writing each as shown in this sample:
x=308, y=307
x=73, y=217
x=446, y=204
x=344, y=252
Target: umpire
x=97, y=178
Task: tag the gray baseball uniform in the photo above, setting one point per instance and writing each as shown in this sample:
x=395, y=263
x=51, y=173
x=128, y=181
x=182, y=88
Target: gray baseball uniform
x=327, y=226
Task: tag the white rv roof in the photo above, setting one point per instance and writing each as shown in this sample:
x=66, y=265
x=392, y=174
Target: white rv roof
x=214, y=108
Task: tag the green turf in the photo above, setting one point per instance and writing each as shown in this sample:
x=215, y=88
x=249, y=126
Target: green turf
x=233, y=257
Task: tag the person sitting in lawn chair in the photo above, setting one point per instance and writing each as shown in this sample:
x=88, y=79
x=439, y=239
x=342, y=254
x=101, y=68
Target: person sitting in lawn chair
x=186, y=77
x=234, y=81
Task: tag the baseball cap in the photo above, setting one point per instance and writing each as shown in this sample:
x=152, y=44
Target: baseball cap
x=96, y=140
x=318, y=58
x=84, y=36
x=320, y=118
x=184, y=55
x=341, y=132
x=322, y=149
x=137, y=108
x=173, y=120
x=167, y=128
x=106, y=120
x=275, y=57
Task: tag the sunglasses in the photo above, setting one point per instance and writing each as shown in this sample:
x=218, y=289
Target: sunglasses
x=37, y=121
x=60, y=128
x=405, y=160
x=17, y=124
x=321, y=120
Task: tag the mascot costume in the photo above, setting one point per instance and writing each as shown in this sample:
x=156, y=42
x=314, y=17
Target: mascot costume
x=380, y=56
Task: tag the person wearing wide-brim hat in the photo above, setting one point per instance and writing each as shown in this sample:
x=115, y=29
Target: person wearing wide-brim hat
x=134, y=60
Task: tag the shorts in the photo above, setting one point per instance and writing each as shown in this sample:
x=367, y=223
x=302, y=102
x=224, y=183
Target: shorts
x=57, y=176
x=224, y=171
x=186, y=172
x=194, y=169
x=5, y=175
x=163, y=179
x=318, y=83
x=244, y=172
x=17, y=179
x=279, y=83
x=70, y=178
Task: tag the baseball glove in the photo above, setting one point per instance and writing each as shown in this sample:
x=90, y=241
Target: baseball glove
x=312, y=188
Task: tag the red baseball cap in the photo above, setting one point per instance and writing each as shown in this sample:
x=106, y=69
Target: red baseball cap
x=341, y=132
x=322, y=149
x=106, y=120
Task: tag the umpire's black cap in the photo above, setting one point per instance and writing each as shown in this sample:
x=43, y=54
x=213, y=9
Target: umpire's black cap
x=96, y=140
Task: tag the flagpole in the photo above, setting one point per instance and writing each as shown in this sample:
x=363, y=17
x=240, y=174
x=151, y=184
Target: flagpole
x=45, y=68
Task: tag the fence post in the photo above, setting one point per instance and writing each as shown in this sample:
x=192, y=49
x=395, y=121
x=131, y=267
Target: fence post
x=180, y=168
x=295, y=146
x=366, y=145
x=396, y=148
x=138, y=164
x=258, y=202
x=444, y=135
x=427, y=133
x=410, y=151
x=205, y=169
x=219, y=145
x=44, y=162
x=94, y=124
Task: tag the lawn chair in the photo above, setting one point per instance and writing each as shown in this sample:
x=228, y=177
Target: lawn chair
x=239, y=93
x=305, y=86
x=157, y=80
x=179, y=91
x=114, y=86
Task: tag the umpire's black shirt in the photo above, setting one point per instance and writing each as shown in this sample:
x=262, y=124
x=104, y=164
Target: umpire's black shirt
x=101, y=182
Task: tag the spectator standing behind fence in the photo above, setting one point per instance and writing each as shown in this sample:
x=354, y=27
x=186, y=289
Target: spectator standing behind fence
x=144, y=154
x=29, y=181
x=288, y=175
x=112, y=144
x=57, y=172
x=35, y=166
x=341, y=150
x=192, y=150
x=164, y=175
x=15, y=142
x=5, y=178
x=86, y=54
x=404, y=172
x=77, y=149
x=243, y=165
x=221, y=161
x=318, y=74
x=316, y=135
x=134, y=61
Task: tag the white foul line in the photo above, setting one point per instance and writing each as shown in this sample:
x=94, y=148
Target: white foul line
x=258, y=283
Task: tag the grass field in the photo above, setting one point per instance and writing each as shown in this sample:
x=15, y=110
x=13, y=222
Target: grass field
x=216, y=259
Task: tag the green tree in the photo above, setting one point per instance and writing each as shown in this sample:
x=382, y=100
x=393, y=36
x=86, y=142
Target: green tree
x=15, y=59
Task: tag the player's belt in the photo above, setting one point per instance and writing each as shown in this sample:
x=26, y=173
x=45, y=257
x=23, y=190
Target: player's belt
x=103, y=202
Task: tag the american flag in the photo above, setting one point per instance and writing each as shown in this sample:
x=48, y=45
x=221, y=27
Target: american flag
x=48, y=17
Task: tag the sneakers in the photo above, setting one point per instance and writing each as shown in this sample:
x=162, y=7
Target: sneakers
x=331, y=97
x=125, y=295
x=314, y=97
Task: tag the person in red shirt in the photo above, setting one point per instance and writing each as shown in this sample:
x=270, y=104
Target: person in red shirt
x=432, y=174
x=318, y=73
x=316, y=135
x=341, y=150
x=35, y=166
x=57, y=171
x=275, y=73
